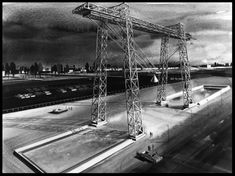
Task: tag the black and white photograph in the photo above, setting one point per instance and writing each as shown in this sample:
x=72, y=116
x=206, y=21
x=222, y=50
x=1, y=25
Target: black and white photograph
x=117, y=87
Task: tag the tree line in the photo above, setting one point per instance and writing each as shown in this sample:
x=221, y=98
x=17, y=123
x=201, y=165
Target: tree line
x=34, y=69
x=37, y=68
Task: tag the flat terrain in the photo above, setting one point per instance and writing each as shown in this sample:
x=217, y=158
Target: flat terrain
x=26, y=127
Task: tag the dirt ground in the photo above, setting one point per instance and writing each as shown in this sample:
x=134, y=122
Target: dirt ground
x=29, y=126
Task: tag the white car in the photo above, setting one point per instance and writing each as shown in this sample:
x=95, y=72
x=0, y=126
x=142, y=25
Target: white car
x=58, y=110
x=20, y=96
x=31, y=95
x=72, y=89
x=27, y=96
x=47, y=92
x=63, y=91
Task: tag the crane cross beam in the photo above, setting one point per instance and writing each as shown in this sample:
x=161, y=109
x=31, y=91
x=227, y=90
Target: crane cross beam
x=113, y=16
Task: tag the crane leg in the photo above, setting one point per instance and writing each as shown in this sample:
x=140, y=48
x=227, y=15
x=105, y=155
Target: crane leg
x=98, y=108
x=161, y=91
x=185, y=68
x=133, y=104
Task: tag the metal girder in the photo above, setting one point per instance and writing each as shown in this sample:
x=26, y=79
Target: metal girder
x=114, y=16
x=185, y=67
x=98, y=108
x=161, y=91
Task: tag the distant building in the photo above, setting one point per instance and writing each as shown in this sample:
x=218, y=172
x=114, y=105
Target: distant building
x=70, y=71
x=83, y=70
x=72, y=68
x=208, y=66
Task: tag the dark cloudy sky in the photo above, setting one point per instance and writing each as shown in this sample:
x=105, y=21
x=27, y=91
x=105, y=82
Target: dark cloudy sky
x=50, y=33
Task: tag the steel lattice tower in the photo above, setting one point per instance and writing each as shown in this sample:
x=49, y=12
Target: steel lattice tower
x=98, y=108
x=119, y=16
x=133, y=104
x=185, y=67
x=161, y=91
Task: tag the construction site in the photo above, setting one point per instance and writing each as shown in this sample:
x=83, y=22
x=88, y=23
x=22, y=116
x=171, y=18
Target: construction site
x=176, y=127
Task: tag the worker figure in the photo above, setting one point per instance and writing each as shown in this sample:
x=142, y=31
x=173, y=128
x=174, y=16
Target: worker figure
x=151, y=134
x=149, y=148
x=152, y=146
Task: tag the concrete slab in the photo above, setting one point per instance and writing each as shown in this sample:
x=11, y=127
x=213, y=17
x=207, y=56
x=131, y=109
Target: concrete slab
x=64, y=153
x=101, y=157
x=217, y=91
x=198, y=93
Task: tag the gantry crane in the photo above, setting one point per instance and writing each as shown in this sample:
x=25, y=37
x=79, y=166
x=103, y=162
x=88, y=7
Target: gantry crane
x=122, y=34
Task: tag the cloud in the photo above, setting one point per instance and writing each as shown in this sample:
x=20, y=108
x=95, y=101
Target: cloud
x=51, y=33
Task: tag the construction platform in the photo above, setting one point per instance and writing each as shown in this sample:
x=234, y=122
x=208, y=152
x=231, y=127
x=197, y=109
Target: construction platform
x=200, y=95
x=83, y=149
x=69, y=150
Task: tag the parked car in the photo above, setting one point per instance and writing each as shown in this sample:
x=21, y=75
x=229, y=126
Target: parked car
x=147, y=156
x=31, y=95
x=63, y=90
x=72, y=89
x=47, y=92
x=58, y=110
x=20, y=96
x=27, y=96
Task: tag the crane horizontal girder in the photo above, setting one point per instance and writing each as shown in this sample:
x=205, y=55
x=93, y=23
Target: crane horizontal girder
x=95, y=12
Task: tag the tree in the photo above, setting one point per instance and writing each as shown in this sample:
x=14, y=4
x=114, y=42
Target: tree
x=26, y=70
x=62, y=68
x=35, y=69
x=7, y=69
x=32, y=69
x=54, y=69
x=13, y=68
x=58, y=68
x=21, y=69
x=40, y=68
x=66, y=68
x=94, y=67
x=87, y=67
